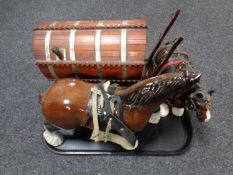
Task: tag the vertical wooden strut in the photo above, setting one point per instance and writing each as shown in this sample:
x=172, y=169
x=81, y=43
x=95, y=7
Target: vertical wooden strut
x=124, y=50
x=71, y=44
x=47, y=54
x=150, y=59
x=98, y=50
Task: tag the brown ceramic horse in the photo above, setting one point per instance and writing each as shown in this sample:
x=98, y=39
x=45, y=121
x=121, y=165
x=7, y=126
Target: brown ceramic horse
x=65, y=104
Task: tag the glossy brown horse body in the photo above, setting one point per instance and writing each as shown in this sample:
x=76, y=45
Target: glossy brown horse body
x=65, y=103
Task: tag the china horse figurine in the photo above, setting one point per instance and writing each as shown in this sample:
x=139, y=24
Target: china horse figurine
x=70, y=103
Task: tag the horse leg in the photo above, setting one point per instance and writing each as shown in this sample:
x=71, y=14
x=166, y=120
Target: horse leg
x=155, y=117
x=164, y=109
x=177, y=107
x=162, y=112
x=177, y=111
x=52, y=135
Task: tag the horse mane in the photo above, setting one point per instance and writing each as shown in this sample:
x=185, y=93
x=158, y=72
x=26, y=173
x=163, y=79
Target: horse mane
x=154, y=89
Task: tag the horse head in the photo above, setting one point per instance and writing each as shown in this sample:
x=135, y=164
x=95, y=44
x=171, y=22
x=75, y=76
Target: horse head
x=201, y=102
x=194, y=98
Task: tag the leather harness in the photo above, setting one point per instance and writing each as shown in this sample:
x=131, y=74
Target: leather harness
x=108, y=118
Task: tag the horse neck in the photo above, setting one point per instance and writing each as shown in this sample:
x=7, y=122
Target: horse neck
x=147, y=109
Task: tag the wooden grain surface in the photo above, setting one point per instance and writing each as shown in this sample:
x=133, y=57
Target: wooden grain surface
x=119, y=41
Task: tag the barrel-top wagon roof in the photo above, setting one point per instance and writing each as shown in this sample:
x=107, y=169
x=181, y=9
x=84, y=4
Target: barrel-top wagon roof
x=106, y=24
x=113, y=49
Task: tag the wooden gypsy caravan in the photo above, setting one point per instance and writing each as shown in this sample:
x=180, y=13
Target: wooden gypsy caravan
x=91, y=50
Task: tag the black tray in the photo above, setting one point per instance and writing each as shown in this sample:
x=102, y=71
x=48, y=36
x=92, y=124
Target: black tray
x=172, y=136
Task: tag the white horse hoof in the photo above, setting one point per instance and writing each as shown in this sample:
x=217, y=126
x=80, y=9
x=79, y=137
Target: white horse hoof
x=54, y=138
x=164, y=110
x=155, y=117
x=177, y=111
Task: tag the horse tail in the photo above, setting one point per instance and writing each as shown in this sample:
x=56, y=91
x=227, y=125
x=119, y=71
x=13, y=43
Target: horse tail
x=41, y=97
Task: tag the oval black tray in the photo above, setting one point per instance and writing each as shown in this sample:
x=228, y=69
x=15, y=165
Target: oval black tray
x=171, y=136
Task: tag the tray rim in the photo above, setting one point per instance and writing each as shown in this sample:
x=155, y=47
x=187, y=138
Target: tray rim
x=186, y=146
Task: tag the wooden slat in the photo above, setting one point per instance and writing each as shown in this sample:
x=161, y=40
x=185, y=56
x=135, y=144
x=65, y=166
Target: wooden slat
x=61, y=40
x=135, y=56
x=85, y=45
x=38, y=43
x=110, y=58
x=85, y=37
x=136, y=47
x=110, y=32
x=39, y=34
x=134, y=34
x=110, y=55
x=38, y=47
x=136, y=41
x=39, y=57
x=111, y=47
x=60, y=34
x=85, y=55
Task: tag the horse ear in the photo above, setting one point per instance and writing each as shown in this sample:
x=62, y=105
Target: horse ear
x=211, y=92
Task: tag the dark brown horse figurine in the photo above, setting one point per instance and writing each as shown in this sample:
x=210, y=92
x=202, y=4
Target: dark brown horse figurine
x=66, y=104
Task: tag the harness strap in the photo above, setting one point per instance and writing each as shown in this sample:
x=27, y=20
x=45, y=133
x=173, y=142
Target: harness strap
x=117, y=139
x=174, y=63
x=114, y=138
x=107, y=130
x=95, y=133
x=116, y=101
x=126, y=139
x=112, y=88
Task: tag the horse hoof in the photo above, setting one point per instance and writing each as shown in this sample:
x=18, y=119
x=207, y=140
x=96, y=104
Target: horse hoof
x=208, y=116
x=177, y=111
x=54, y=138
x=164, y=110
x=155, y=117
